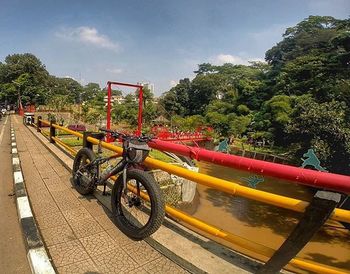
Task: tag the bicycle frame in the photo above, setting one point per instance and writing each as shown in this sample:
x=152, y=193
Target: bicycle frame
x=122, y=165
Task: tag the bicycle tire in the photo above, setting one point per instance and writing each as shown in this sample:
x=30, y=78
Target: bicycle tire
x=138, y=232
x=86, y=188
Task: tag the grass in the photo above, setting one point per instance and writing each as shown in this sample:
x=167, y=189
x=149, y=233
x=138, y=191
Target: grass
x=156, y=154
x=61, y=133
x=72, y=142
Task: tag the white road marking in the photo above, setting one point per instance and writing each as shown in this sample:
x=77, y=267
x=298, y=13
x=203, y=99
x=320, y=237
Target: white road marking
x=15, y=161
x=24, y=207
x=18, y=177
x=39, y=261
x=14, y=150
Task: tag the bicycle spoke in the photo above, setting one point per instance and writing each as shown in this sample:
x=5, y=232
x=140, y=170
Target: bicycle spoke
x=137, y=212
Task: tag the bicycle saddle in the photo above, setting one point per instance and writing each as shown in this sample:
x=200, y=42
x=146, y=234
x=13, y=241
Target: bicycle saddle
x=98, y=135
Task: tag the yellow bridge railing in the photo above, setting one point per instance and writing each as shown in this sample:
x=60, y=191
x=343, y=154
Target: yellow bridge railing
x=228, y=187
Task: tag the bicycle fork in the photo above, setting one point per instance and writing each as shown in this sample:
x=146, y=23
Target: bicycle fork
x=125, y=187
x=130, y=201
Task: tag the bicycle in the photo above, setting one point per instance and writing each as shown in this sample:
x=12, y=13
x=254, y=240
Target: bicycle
x=137, y=202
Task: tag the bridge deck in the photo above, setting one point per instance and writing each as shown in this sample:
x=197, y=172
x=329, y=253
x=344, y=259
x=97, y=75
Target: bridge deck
x=71, y=223
x=77, y=230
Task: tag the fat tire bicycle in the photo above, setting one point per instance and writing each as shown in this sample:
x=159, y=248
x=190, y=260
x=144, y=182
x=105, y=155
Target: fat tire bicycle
x=136, y=199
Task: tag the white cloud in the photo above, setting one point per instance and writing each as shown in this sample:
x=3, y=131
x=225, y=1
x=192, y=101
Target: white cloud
x=173, y=83
x=233, y=59
x=70, y=77
x=89, y=36
x=114, y=70
x=228, y=58
x=82, y=81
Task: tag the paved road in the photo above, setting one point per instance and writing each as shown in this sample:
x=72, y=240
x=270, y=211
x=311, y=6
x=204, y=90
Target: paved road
x=12, y=251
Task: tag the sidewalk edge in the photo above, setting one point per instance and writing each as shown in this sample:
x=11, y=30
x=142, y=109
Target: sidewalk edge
x=38, y=259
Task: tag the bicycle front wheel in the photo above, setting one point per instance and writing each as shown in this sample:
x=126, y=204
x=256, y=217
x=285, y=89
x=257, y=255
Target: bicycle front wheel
x=140, y=212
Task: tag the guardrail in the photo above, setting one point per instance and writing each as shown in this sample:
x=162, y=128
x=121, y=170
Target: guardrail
x=327, y=180
x=278, y=259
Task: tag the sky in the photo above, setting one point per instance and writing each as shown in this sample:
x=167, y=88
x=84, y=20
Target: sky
x=156, y=41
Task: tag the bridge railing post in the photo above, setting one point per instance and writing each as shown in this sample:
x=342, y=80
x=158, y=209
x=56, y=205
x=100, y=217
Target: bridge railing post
x=86, y=143
x=52, y=130
x=315, y=215
x=38, y=124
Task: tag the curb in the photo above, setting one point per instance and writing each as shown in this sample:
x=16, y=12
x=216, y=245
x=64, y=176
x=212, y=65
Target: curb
x=36, y=253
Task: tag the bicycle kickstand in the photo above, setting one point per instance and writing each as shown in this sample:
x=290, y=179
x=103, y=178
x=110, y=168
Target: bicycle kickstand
x=104, y=188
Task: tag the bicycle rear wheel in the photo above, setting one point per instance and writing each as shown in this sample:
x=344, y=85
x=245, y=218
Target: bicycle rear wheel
x=141, y=212
x=83, y=175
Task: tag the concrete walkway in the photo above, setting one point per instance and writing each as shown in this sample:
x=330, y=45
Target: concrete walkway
x=77, y=230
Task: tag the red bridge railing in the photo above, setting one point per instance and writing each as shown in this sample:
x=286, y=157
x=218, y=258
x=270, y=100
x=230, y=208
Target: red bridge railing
x=298, y=175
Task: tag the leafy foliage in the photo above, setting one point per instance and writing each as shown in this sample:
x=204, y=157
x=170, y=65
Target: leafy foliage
x=323, y=126
x=299, y=98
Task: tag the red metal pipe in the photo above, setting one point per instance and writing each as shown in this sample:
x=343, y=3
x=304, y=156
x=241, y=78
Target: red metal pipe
x=331, y=181
x=139, y=119
x=109, y=97
x=124, y=84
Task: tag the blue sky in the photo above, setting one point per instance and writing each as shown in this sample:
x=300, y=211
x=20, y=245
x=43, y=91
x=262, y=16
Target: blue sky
x=159, y=41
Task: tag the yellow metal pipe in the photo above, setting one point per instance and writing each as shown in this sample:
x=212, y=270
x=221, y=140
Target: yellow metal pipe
x=236, y=189
x=237, y=240
x=316, y=267
x=44, y=133
x=68, y=130
x=44, y=121
x=223, y=185
x=71, y=150
x=231, y=187
x=245, y=243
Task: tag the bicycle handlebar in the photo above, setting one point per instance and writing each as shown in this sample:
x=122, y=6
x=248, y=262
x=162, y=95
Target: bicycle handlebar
x=123, y=136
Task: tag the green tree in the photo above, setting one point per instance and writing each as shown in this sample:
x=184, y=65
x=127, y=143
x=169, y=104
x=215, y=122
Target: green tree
x=93, y=116
x=176, y=101
x=238, y=124
x=219, y=121
x=312, y=58
x=325, y=127
x=23, y=75
x=243, y=109
x=90, y=91
x=204, y=89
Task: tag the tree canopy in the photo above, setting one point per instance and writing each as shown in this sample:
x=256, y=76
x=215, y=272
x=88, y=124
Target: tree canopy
x=299, y=98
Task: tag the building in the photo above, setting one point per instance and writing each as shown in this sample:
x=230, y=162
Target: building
x=116, y=99
x=148, y=85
